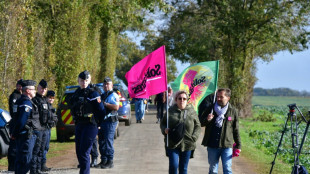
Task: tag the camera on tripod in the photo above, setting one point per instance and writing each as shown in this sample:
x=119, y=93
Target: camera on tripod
x=297, y=168
x=292, y=106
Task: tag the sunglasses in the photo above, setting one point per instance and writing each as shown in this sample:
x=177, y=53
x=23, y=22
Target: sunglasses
x=180, y=98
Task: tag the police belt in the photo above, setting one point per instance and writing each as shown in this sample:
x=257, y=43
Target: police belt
x=88, y=115
x=111, y=119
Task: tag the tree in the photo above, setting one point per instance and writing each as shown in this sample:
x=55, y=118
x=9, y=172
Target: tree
x=130, y=54
x=238, y=33
x=115, y=17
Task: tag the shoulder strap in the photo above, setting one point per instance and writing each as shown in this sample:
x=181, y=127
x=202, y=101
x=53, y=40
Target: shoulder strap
x=106, y=95
x=185, y=114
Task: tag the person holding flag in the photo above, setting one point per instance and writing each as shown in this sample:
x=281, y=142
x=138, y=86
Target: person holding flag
x=222, y=130
x=179, y=151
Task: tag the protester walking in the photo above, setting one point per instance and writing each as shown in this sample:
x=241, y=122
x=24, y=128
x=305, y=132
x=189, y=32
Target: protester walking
x=222, y=131
x=180, y=146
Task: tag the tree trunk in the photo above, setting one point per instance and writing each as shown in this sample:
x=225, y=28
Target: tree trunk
x=108, y=56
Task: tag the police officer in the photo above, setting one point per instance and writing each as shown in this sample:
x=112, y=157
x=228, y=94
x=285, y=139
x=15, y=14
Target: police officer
x=52, y=121
x=108, y=125
x=16, y=94
x=40, y=101
x=86, y=106
x=27, y=120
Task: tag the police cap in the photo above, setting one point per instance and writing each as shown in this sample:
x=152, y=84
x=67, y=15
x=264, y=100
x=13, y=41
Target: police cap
x=50, y=93
x=107, y=79
x=19, y=82
x=43, y=83
x=84, y=75
x=28, y=83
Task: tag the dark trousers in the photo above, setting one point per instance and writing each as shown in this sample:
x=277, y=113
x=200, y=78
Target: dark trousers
x=94, y=150
x=106, y=140
x=160, y=110
x=85, y=135
x=36, y=154
x=24, y=149
x=11, y=155
x=46, y=137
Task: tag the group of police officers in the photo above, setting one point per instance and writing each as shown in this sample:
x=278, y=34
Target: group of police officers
x=33, y=117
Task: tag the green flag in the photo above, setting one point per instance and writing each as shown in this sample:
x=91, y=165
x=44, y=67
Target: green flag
x=198, y=81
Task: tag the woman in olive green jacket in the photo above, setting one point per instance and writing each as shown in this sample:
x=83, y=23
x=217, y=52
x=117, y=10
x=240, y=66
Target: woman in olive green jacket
x=179, y=152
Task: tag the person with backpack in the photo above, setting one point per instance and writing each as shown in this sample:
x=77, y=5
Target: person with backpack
x=108, y=125
x=181, y=133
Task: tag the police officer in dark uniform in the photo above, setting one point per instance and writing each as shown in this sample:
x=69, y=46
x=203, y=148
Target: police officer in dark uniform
x=52, y=121
x=108, y=125
x=40, y=101
x=86, y=107
x=16, y=94
x=27, y=120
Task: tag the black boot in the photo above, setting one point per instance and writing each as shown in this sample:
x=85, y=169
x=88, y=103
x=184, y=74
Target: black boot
x=93, y=162
x=44, y=168
x=101, y=164
x=108, y=165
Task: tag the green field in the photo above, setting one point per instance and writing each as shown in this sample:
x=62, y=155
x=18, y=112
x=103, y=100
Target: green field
x=280, y=100
x=260, y=134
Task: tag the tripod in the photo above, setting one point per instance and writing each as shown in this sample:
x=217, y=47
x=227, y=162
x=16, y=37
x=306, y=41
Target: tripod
x=294, y=135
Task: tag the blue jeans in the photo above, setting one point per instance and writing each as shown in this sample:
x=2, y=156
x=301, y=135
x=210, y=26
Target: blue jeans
x=214, y=155
x=106, y=140
x=178, y=160
x=24, y=148
x=139, y=108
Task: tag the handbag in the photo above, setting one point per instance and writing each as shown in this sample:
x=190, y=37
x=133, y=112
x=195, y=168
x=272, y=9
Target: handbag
x=176, y=134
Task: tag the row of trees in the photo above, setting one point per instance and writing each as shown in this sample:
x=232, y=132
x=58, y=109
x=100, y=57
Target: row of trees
x=238, y=33
x=56, y=40
x=279, y=92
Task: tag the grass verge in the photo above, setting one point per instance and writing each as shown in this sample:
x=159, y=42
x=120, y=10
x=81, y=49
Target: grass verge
x=260, y=160
x=55, y=150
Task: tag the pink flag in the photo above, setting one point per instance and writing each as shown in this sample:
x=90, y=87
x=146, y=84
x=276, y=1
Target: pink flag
x=148, y=77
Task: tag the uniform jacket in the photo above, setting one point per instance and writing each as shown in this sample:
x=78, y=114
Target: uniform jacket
x=230, y=129
x=192, y=127
x=53, y=119
x=12, y=100
x=42, y=105
x=91, y=105
x=27, y=114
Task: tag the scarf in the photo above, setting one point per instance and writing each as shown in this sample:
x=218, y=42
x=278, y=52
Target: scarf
x=220, y=112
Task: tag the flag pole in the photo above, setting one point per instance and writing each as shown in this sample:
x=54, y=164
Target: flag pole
x=214, y=99
x=166, y=95
x=167, y=113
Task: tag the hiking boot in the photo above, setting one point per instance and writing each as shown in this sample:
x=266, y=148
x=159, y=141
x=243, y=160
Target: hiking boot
x=108, y=165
